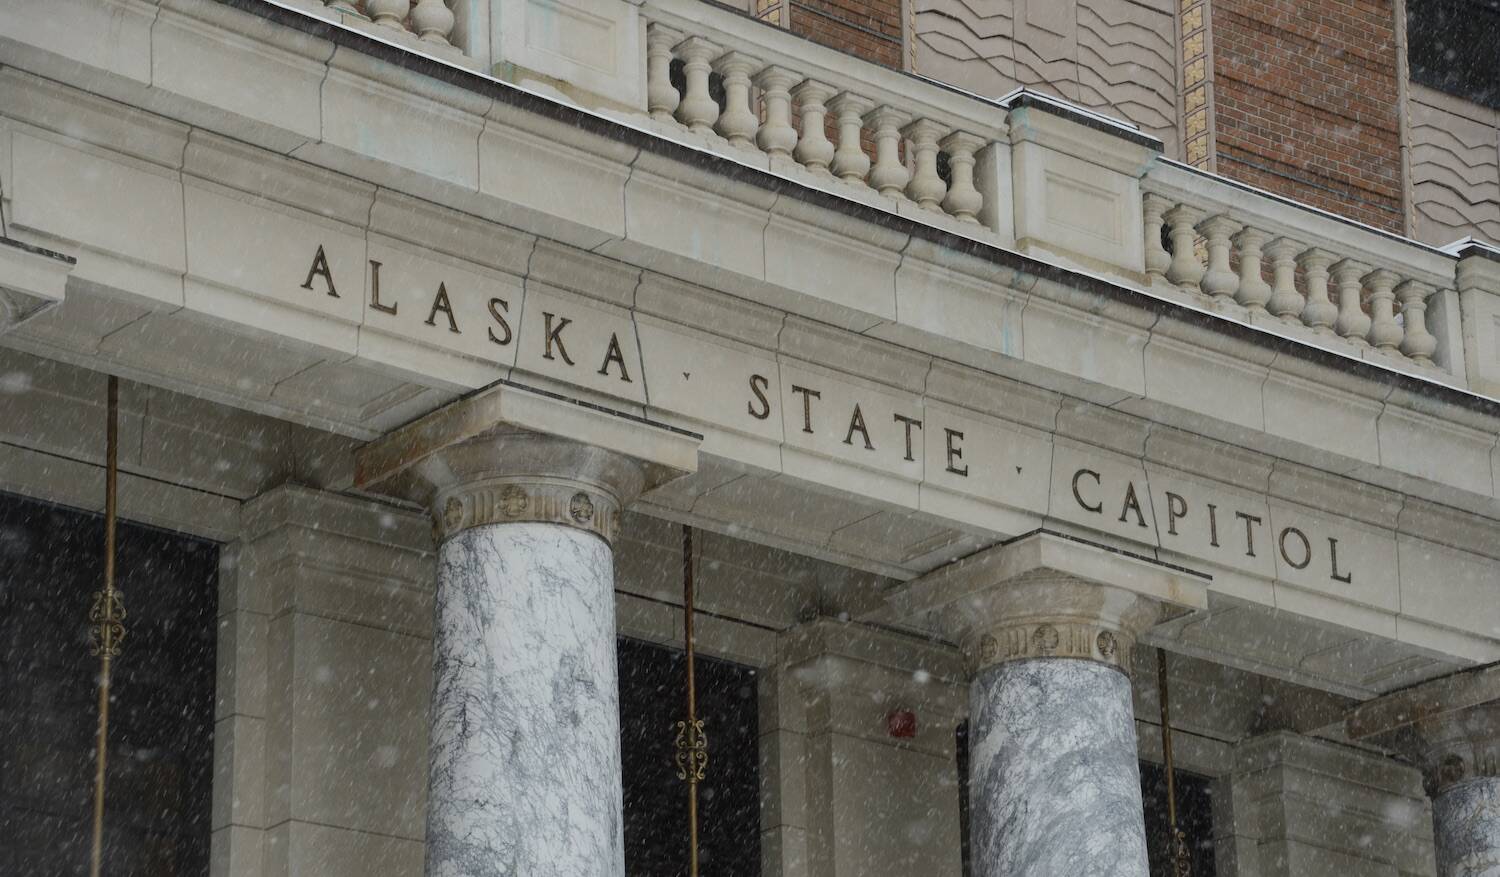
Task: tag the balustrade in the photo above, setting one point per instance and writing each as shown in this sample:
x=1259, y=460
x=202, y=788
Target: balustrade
x=785, y=111
x=1208, y=249
x=430, y=21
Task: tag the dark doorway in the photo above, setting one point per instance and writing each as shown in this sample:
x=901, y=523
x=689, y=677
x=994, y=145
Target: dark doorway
x=651, y=704
x=160, y=761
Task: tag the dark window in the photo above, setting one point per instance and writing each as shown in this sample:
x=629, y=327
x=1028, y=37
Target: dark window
x=160, y=762
x=651, y=704
x=1194, y=817
x=1451, y=47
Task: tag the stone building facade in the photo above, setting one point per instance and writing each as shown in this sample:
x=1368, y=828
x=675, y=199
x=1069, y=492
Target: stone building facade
x=982, y=390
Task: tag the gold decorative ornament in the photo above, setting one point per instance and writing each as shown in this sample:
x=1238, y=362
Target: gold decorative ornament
x=106, y=616
x=106, y=624
x=692, y=751
x=1181, y=853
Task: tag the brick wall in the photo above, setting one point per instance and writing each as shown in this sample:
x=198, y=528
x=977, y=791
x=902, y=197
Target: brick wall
x=869, y=29
x=1306, y=102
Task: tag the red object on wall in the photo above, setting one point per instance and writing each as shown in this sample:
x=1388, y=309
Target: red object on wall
x=902, y=724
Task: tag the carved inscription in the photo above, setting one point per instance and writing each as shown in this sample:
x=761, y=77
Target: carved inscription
x=869, y=429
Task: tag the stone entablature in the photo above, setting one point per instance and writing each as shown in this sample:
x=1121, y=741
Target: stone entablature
x=1009, y=365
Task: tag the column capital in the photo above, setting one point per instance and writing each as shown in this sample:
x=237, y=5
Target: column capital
x=1049, y=596
x=1449, y=727
x=508, y=454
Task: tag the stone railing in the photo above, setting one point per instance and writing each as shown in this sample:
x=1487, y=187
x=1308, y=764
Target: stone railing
x=1267, y=260
x=427, y=24
x=761, y=95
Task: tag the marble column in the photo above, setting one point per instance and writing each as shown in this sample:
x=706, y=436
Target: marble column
x=1461, y=760
x=1054, y=785
x=1450, y=728
x=1054, y=782
x=524, y=759
x=524, y=753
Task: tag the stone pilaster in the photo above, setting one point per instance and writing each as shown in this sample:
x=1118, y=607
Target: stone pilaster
x=1054, y=785
x=524, y=760
x=324, y=625
x=1294, y=805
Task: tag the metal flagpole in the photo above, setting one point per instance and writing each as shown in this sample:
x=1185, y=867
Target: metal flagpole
x=106, y=617
x=1182, y=861
x=692, y=745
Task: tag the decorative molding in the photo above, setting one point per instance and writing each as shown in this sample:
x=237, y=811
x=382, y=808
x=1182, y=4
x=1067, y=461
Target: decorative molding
x=519, y=500
x=1060, y=637
x=1197, y=84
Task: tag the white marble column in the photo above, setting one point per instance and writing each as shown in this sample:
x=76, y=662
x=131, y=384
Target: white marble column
x=1054, y=786
x=524, y=759
x=524, y=753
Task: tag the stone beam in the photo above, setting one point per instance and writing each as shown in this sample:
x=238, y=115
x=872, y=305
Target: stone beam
x=31, y=281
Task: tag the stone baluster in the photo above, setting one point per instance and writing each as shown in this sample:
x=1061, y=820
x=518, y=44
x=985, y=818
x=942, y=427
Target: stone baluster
x=1185, y=270
x=889, y=176
x=1153, y=209
x=738, y=122
x=964, y=200
x=1352, y=323
x=850, y=163
x=925, y=187
x=777, y=138
x=813, y=150
x=1419, y=344
x=1219, y=281
x=1320, y=311
x=1385, y=332
x=432, y=21
x=389, y=13
x=697, y=110
x=661, y=95
x=1285, y=302
x=1253, y=290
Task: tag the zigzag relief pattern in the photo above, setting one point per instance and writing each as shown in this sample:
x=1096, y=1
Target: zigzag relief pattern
x=1122, y=60
x=1058, y=77
x=997, y=23
x=1455, y=168
x=960, y=44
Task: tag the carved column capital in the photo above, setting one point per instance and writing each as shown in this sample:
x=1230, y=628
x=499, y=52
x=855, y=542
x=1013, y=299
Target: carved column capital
x=1449, y=727
x=1048, y=615
x=509, y=455
x=1047, y=596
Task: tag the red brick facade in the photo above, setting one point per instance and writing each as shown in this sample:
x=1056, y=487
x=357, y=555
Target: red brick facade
x=869, y=29
x=1306, y=102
